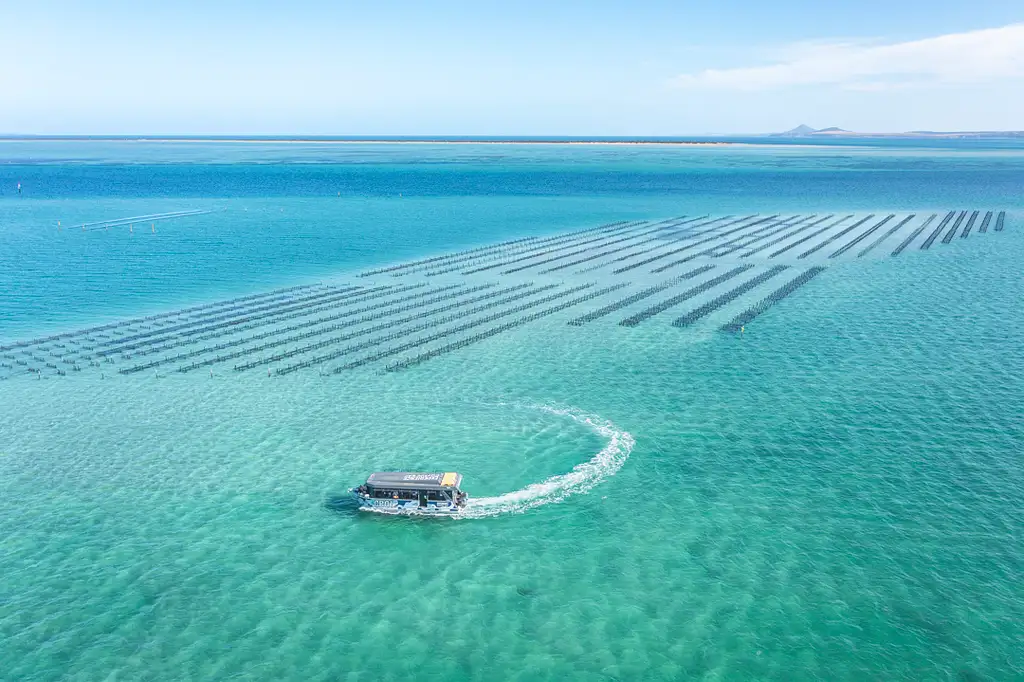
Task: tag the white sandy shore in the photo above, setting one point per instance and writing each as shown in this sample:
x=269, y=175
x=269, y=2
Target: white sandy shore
x=270, y=140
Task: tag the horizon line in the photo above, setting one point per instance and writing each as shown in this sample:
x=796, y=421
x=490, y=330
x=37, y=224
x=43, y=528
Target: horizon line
x=814, y=138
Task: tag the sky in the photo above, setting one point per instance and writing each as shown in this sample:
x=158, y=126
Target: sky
x=402, y=67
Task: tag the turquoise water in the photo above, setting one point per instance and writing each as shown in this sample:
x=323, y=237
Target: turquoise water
x=834, y=494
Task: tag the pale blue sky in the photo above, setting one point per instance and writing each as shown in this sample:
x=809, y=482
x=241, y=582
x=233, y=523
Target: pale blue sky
x=527, y=68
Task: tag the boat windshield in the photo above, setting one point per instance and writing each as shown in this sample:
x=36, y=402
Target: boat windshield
x=400, y=494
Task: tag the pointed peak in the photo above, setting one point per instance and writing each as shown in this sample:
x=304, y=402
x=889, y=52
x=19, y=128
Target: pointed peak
x=799, y=131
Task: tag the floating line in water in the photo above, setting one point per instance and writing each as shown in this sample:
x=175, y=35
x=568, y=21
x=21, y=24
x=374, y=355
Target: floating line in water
x=708, y=240
x=216, y=318
x=786, y=228
x=748, y=315
x=729, y=296
x=137, y=320
x=489, y=247
x=284, y=299
x=680, y=225
x=687, y=237
x=546, y=249
x=913, y=235
x=128, y=221
x=969, y=225
x=380, y=355
x=391, y=324
x=809, y=237
x=838, y=235
x=474, y=260
x=669, y=225
x=931, y=238
x=462, y=343
x=793, y=233
x=264, y=318
x=532, y=245
x=744, y=240
x=274, y=295
x=737, y=243
x=888, y=233
x=101, y=224
x=659, y=236
x=397, y=334
x=570, y=254
x=634, y=320
x=717, y=249
x=745, y=233
x=740, y=233
x=985, y=222
x=308, y=324
x=259, y=321
x=1000, y=221
x=639, y=296
x=143, y=339
x=674, y=237
x=861, y=237
x=137, y=218
x=956, y=225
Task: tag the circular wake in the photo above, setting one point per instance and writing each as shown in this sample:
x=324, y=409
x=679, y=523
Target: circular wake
x=581, y=479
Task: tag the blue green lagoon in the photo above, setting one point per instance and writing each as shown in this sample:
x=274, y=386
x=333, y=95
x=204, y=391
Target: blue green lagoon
x=725, y=412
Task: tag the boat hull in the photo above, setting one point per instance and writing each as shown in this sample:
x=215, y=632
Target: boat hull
x=406, y=507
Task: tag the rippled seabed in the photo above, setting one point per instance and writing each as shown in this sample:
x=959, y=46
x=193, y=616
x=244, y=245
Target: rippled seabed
x=834, y=494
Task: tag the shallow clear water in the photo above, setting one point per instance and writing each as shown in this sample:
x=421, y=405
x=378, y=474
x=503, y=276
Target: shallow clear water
x=834, y=494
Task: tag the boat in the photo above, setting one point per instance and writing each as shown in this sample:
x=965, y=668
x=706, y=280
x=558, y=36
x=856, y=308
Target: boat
x=409, y=492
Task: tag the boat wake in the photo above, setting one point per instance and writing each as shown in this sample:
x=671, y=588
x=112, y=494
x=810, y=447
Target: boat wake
x=581, y=479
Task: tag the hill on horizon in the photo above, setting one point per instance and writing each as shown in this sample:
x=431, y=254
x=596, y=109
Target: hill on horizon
x=804, y=130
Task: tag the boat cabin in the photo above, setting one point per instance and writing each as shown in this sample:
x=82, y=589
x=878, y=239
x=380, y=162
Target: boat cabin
x=412, y=492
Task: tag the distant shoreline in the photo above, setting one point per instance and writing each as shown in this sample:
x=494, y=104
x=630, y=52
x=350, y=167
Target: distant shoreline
x=366, y=140
x=845, y=134
x=820, y=139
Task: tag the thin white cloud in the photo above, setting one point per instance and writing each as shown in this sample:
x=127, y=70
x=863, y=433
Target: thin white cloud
x=957, y=58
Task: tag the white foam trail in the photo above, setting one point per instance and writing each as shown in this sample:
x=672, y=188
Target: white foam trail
x=581, y=479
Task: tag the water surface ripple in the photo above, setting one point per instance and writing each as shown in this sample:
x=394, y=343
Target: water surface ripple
x=834, y=494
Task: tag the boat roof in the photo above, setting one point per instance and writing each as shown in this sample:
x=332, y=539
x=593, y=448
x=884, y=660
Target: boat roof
x=414, y=480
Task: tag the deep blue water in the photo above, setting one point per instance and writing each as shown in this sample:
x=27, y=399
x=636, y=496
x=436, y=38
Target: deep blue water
x=291, y=211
